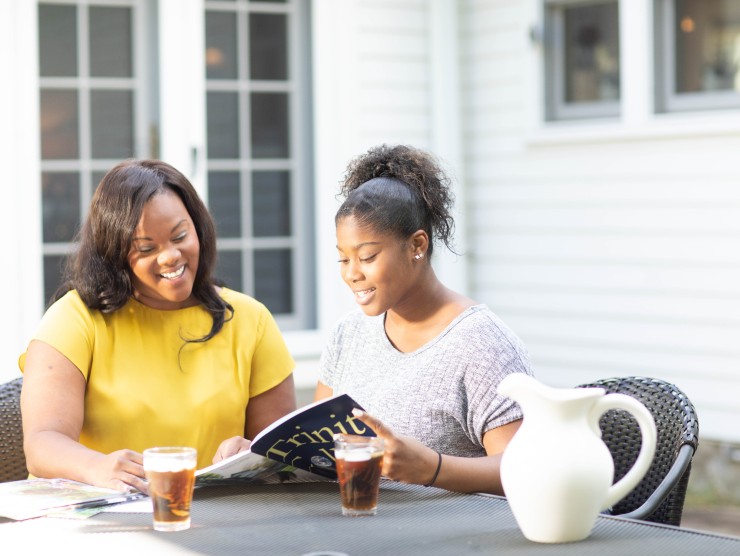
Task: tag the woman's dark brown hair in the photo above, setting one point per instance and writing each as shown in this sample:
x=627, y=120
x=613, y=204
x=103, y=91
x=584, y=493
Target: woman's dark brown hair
x=99, y=269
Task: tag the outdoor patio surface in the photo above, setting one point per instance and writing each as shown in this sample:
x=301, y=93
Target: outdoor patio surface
x=718, y=519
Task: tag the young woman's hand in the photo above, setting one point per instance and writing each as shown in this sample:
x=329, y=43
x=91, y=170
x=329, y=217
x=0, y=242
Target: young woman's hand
x=231, y=446
x=406, y=460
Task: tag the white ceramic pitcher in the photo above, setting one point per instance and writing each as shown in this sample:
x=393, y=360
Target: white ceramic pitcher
x=557, y=472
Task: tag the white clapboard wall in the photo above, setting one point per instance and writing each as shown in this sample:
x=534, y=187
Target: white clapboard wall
x=613, y=250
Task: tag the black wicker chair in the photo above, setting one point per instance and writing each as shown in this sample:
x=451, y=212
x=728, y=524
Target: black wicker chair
x=12, y=457
x=659, y=497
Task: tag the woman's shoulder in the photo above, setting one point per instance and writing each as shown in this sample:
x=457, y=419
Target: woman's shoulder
x=480, y=338
x=479, y=315
x=68, y=317
x=69, y=302
x=481, y=322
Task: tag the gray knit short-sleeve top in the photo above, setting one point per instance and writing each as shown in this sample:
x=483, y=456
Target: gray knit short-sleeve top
x=445, y=393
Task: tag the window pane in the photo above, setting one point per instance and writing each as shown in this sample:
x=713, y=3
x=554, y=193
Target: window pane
x=57, y=41
x=273, y=273
x=707, y=45
x=60, y=133
x=223, y=125
x=592, y=53
x=110, y=42
x=221, y=45
x=271, y=203
x=224, y=202
x=112, y=124
x=268, y=45
x=269, y=125
x=53, y=265
x=229, y=269
x=60, y=201
x=96, y=177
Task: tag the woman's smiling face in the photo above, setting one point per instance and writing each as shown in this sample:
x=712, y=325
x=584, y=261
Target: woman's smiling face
x=377, y=267
x=164, y=254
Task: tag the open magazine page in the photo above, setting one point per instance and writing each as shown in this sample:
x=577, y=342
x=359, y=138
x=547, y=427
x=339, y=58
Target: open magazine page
x=37, y=497
x=245, y=466
x=296, y=447
x=304, y=439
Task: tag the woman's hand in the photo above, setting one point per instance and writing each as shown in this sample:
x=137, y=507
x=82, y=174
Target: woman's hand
x=231, y=446
x=122, y=470
x=406, y=460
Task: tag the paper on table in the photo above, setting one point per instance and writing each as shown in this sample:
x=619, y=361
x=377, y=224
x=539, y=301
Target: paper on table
x=141, y=506
x=31, y=498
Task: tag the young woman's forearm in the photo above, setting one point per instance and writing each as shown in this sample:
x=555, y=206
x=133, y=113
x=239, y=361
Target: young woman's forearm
x=470, y=474
x=51, y=454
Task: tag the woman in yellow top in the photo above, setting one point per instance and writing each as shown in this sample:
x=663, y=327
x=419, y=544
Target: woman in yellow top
x=142, y=348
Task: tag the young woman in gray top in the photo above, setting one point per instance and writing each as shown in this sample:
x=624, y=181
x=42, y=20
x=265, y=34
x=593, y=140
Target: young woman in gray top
x=424, y=361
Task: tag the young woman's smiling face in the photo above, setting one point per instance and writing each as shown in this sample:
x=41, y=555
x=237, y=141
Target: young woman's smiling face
x=164, y=254
x=377, y=267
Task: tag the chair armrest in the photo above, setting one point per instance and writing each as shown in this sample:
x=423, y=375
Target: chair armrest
x=683, y=459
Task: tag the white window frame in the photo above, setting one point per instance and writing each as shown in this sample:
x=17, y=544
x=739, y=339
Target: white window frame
x=667, y=99
x=556, y=109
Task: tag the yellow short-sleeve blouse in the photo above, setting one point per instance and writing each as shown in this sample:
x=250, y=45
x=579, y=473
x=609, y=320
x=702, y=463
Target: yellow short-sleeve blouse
x=147, y=387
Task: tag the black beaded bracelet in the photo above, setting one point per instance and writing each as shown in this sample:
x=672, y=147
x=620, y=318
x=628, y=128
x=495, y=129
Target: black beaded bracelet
x=439, y=466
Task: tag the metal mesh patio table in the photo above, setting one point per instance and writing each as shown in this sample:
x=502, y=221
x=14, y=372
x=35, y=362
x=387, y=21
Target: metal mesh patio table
x=305, y=518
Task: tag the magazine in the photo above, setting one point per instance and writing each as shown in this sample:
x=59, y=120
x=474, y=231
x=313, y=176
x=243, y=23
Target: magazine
x=297, y=447
x=38, y=497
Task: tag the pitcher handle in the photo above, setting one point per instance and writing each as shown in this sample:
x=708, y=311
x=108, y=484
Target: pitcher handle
x=645, y=420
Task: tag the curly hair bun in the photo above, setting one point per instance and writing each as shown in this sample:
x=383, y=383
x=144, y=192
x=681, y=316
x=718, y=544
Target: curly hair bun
x=415, y=194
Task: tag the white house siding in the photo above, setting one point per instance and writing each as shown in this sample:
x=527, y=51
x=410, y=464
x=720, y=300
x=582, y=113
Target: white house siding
x=374, y=84
x=392, y=72
x=20, y=218
x=610, y=249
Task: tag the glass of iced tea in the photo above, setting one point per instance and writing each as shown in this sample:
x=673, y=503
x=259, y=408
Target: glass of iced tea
x=359, y=463
x=170, y=472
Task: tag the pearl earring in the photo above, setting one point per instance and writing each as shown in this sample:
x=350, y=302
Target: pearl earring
x=418, y=256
